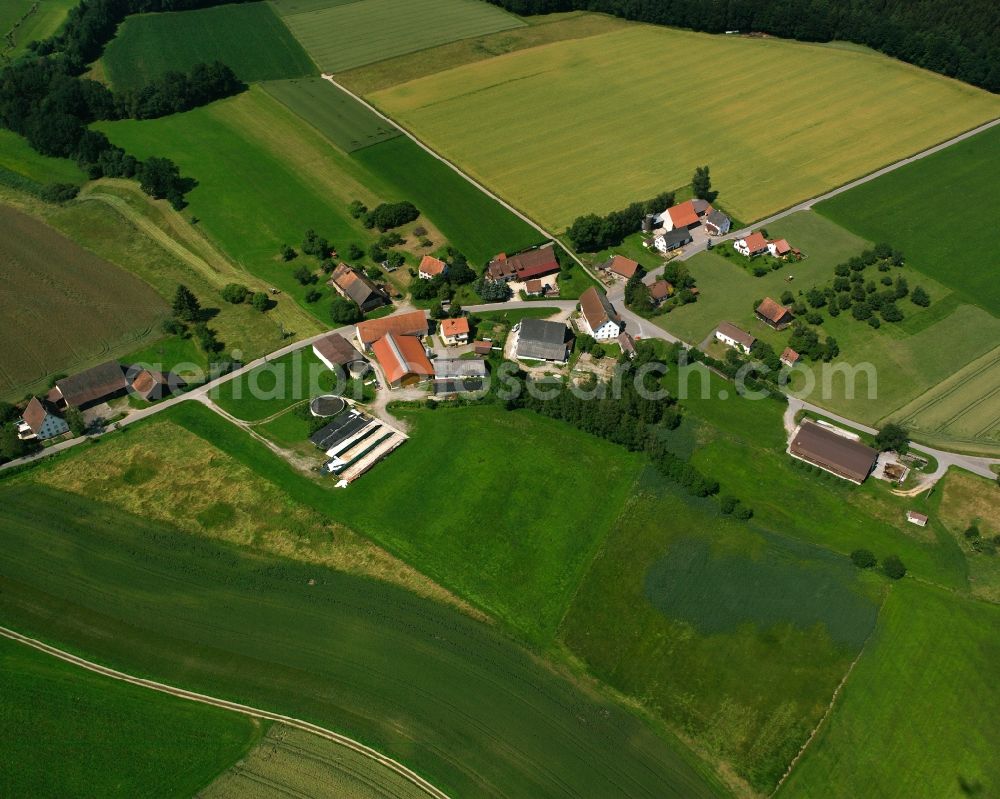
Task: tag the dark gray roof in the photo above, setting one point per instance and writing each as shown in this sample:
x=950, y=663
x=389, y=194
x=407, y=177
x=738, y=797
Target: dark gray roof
x=677, y=237
x=340, y=429
x=542, y=340
x=96, y=383
x=444, y=387
x=717, y=218
x=457, y=368
x=337, y=349
x=843, y=456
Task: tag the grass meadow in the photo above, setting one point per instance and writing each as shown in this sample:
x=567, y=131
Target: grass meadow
x=292, y=762
x=918, y=717
x=963, y=500
x=338, y=116
x=249, y=38
x=465, y=707
x=16, y=155
x=735, y=636
x=24, y=21
x=760, y=134
x=929, y=348
x=340, y=35
x=63, y=306
x=106, y=738
x=941, y=212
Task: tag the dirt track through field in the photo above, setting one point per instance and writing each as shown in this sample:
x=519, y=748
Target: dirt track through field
x=246, y=710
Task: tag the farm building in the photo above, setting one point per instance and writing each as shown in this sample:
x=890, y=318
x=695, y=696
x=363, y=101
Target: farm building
x=152, y=385
x=39, y=421
x=717, y=223
x=431, y=267
x=672, y=239
x=97, y=384
x=661, y=290
x=774, y=314
x=459, y=368
x=779, y=248
x=621, y=266
x=350, y=284
x=335, y=352
x=535, y=288
x=627, y=343
x=684, y=215
x=354, y=443
x=524, y=266
x=539, y=340
x=403, y=360
x=482, y=347
x=730, y=335
x=455, y=331
x=833, y=452
x=789, y=357
x=598, y=315
x=918, y=519
x=751, y=246
x=412, y=323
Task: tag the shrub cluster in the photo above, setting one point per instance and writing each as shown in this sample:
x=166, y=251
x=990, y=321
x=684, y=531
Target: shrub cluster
x=590, y=233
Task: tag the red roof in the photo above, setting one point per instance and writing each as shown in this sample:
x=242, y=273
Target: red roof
x=455, y=327
x=789, y=356
x=34, y=415
x=413, y=323
x=756, y=242
x=482, y=347
x=534, y=286
x=772, y=310
x=623, y=266
x=782, y=247
x=429, y=265
x=402, y=356
x=661, y=289
x=683, y=215
x=524, y=266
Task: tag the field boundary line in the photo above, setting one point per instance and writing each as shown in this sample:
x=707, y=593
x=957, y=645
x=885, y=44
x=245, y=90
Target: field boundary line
x=412, y=137
x=829, y=707
x=246, y=710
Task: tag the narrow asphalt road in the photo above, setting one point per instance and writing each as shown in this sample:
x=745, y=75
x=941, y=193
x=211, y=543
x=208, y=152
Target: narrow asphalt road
x=246, y=710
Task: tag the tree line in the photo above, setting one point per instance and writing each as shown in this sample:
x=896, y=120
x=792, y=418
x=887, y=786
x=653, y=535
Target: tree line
x=44, y=97
x=592, y=233
x=960, y=38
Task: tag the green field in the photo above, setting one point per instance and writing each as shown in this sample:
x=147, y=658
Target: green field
x=338, y=116
x=735, y=635
x=74, y=733
x=912, y=359
x=941, y=212
x=918, y=717
x=294, y=763
x=515, y=121
x=446, y=695
x=475, y=223
x=25, y=21
x=63, y=306
x=340, y=35
x=249, y=38
x=17, y=156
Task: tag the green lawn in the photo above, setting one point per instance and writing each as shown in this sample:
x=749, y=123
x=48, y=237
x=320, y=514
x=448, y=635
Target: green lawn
x=735, y=635
x=74, y=733
x=25, y=21
x=941, y=211
x=446, y=695
x=249, y=38
x=475, y=223
x=334, y=113
x=910, y=358
x=919, y=717
x=341, y=35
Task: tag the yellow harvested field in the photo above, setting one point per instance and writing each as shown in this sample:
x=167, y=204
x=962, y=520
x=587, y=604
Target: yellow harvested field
x=590, y=125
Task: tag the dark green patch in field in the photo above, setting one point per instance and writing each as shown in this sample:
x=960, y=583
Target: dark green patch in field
x=333, y=112
x=459, y=703
x=249, y=38
x=139, y=473
x=472, y=221
x=69, y=732
x=716, y=593
x=217, y=515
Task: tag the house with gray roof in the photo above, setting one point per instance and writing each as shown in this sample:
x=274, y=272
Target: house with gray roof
x=540, y=340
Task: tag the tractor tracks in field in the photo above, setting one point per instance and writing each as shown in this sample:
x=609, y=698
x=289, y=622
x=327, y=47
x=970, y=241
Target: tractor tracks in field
x=246, y=710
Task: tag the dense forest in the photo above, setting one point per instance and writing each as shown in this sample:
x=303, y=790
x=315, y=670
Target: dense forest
x=44, y=97
x=958, y=38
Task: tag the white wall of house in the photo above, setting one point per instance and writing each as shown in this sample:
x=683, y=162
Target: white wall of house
x=607, y=331
x=459, y=338
x=730, y=342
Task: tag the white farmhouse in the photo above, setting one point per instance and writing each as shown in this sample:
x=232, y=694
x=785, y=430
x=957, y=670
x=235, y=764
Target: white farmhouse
x=598, y=316
x=730, y=335
x=40, y=423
